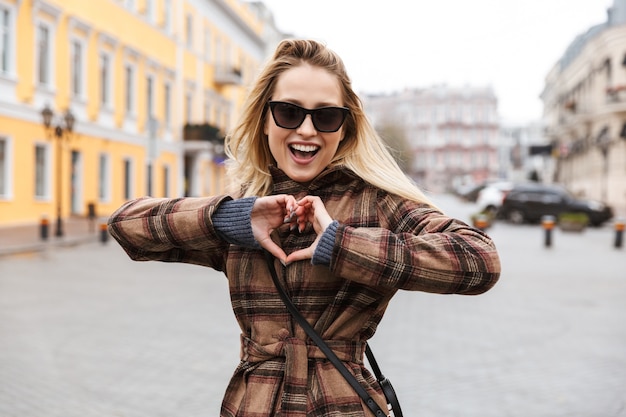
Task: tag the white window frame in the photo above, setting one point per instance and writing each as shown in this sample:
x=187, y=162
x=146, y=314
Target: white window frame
x=166, y=13
x=166, y=169
x=150, y=95
x=6, y=188
x=105, y=81
x=8, y=35
x=167, y=104
x=104, y=177
x=189, y=106
x=48, y=71
x=149, y=6
x=208, y=38
x=189, y=30
x=82, y=69
x=130, y=90
x=46, y=172
x=128, y=192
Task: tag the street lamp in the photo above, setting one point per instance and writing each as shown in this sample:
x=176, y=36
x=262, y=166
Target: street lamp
x=61, y=129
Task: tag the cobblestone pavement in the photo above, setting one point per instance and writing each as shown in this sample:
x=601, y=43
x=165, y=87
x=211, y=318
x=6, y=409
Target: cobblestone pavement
x=86, y=332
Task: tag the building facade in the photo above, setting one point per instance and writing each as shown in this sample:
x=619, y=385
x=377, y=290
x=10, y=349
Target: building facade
x=125, y=86
x=584, y=115
x=452, y=133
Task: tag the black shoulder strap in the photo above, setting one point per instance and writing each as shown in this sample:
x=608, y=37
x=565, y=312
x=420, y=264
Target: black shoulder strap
x=310, y=331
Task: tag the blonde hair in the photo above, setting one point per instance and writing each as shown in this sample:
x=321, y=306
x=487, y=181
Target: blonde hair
x=362, y=150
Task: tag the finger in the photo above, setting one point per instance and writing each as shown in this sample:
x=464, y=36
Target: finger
x=299, y=255
x=290, y=203
x=274, y=249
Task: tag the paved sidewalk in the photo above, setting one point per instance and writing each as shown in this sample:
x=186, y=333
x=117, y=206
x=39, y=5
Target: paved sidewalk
x=22, y=239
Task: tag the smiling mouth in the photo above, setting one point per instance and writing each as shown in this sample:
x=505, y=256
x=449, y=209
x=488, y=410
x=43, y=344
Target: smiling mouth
x=304, y=151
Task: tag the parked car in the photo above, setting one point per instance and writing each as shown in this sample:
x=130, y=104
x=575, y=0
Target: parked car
x=530, y=202
x=490, y=198
x=470, y=192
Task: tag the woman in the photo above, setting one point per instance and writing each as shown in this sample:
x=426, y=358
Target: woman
x=317, y=188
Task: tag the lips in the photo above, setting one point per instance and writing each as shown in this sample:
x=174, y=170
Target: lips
x=303, y=151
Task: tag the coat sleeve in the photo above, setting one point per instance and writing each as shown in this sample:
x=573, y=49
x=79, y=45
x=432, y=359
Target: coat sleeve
x=419, y=249
x=170, y=230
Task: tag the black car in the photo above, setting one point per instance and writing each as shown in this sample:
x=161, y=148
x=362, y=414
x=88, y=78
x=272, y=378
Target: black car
x=530, y=202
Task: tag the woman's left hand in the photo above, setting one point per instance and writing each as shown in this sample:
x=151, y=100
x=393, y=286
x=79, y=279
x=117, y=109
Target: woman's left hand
x=269, y=213
x=310, y=209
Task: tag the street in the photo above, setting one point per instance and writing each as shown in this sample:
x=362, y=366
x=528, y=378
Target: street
x=85, y=332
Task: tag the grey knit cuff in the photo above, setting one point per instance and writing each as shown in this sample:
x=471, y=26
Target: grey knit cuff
x=324, y=250
x=232, y=222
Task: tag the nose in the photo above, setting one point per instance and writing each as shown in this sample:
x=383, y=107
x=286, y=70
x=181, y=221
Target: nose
x=306, y=128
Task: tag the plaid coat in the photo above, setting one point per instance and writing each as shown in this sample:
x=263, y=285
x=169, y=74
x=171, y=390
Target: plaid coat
x=383, y=243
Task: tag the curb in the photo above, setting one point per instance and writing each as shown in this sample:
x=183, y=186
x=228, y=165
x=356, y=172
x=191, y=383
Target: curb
x=43, y=246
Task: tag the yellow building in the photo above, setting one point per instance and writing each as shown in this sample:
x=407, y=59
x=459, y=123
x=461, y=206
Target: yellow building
x=122, y=85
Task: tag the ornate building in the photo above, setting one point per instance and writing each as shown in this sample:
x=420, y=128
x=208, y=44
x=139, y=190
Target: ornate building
x=585, y=111
x=451, y=133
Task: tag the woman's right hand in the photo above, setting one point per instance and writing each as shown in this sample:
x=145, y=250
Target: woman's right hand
x=269, y=213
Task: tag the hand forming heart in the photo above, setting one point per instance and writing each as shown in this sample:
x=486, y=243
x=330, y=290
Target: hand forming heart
x=270, y=212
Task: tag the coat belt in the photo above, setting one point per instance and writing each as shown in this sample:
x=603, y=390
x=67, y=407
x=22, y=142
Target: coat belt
x=296, y=353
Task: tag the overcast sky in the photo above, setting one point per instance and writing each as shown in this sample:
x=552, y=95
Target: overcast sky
x=388, y=45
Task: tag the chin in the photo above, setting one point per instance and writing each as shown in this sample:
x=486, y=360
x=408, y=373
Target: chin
x=301, y=177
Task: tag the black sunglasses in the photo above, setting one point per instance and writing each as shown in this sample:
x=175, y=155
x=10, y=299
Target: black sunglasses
x=291, y=116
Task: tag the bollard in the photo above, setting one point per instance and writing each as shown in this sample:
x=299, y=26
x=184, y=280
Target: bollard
x=619, y=233
x=91, y=216
x=104, y=233
x=44, y=228
x=481, y=222
x=547, y=222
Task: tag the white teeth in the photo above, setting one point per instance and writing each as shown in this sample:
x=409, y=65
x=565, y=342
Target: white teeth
x=305, y=148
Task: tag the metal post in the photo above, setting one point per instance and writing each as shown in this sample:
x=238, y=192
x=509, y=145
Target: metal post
x=58, y=134
x=44, y=228
x=66, y=126
x=104, y=233
x=619, y=233
x=547, y=222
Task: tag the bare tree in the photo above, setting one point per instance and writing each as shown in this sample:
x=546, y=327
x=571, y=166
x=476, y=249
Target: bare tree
x=394, y=136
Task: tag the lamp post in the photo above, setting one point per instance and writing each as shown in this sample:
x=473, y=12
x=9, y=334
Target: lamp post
x=60, y=130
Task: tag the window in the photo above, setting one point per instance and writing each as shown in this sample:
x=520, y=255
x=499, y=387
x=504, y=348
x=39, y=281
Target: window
x=43, y=54
x=128, y=170
x=166, y=181
x=207, y=45
x=207, y=110
x=41, y=158
x=130, y=88
x=149, y=11
x=167, y=10
x=5, y=41
x=103, y=178
x=149, y=179
x=77, y=69
x=4, y=165
x=167, y=111
x=188, y=103
x=149, y=97
x=105, y=80
x=189, y=29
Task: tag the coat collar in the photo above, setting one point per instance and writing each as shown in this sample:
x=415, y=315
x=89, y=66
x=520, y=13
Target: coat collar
x=282, y=184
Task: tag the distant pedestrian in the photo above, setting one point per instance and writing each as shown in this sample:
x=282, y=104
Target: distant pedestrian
x=316, y=187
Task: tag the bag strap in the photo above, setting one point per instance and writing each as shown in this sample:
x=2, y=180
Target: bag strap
x=332, y=357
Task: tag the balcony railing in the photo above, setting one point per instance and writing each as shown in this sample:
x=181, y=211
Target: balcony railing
x=227, y=75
